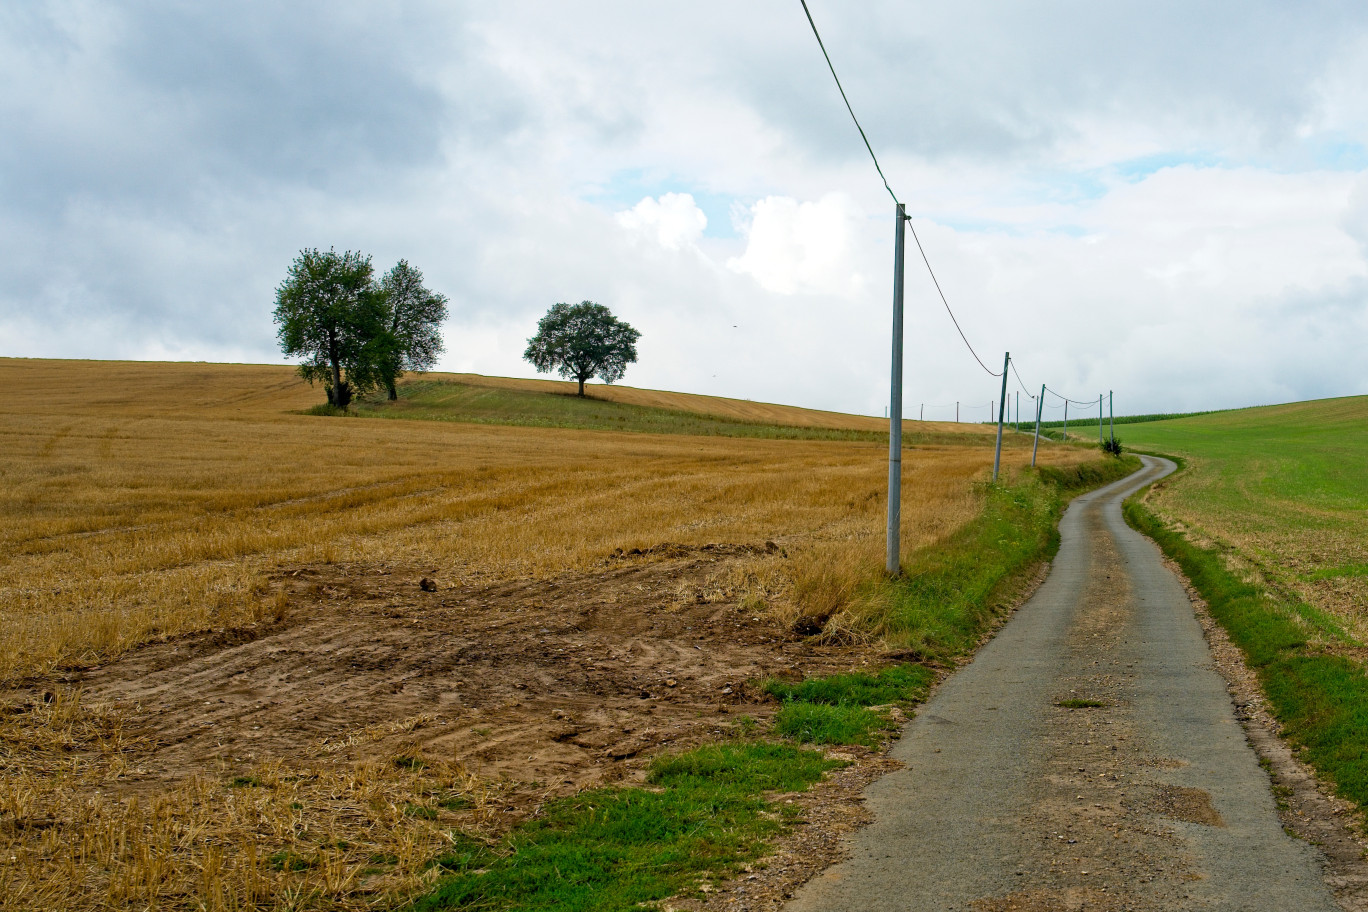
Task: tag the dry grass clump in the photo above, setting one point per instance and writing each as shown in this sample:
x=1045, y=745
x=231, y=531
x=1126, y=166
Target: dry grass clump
x=313, y=834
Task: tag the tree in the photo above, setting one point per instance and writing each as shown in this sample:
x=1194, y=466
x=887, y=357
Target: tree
x=330, y=312
x=582, y=340
x=414, y=316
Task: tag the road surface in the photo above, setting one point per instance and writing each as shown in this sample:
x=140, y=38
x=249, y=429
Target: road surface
x=1020, y=793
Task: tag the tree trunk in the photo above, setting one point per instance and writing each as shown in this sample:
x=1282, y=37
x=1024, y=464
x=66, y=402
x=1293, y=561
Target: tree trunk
x=393, y=393
x=336, y=371
x=581, y=383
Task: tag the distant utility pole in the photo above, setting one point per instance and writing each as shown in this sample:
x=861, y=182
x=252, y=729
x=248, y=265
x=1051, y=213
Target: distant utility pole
x=893, y=563
x=922, y=415
x=1040, y=407
x=1002, y=408
x=1111, y=416
x=1099, y=419
x=1066, y=419
x=956, y=412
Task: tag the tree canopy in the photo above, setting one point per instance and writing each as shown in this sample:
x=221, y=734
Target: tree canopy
x=583, y=340
x=414, y=320
x=353, y=333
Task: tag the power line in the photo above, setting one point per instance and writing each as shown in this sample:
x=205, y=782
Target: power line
x=840, y=88
x=1021, y=383
x=875, y=158
x=936, y=282
x=1074, y=401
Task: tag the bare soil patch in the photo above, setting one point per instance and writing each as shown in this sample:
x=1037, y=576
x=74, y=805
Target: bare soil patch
x=342, y=740
x=562, y=681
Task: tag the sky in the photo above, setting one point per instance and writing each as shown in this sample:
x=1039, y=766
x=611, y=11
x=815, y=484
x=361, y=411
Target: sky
x=1168, y=200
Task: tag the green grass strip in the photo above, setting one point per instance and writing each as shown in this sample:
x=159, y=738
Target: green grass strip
x=899, y=684
x=1320, y=698
x=453, y=401
x=613, y=850
x=822, y=723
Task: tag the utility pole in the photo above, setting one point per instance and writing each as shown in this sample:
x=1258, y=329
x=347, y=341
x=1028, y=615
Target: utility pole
x=921, y=416
x=1099, y=418
x=1017, y=424
x=1066, y=420
x=1002, y=408
x=957, y=412
x=1111, y=416
x=893, y=564
x=1040, y=407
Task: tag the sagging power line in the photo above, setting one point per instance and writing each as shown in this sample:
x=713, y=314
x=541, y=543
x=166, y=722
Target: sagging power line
x=895, y=410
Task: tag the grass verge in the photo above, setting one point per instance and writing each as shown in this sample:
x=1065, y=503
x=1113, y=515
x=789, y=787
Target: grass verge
x=615, y=849
x=836, y=709
x=1320, y=698
x=949, y=595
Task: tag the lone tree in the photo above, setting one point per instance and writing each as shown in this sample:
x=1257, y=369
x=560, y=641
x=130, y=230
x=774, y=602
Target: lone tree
x=354, y=333
x=330, y=312
x=582, y=340
x=414, y=317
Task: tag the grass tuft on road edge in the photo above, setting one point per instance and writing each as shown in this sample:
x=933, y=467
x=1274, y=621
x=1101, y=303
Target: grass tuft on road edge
x=1320, y=698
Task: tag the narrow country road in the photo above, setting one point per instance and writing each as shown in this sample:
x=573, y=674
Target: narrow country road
x=1088, y=758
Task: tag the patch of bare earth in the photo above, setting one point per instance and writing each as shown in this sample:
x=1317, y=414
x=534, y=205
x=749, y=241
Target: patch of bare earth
x=379, y=697
x=559, y=681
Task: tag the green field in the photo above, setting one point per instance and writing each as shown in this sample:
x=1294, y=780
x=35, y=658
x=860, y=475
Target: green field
x=450, y=400
x=1283, y=485
x=1269, y=519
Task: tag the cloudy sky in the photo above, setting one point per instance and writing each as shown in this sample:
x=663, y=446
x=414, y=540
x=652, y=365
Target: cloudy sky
x=1167, y=199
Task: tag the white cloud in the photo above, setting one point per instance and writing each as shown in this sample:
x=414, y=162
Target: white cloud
x=794, y=246
x=163, y=169
x=673, y=221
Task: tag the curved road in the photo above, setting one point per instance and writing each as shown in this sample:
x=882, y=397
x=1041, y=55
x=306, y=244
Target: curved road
x=1021, y=793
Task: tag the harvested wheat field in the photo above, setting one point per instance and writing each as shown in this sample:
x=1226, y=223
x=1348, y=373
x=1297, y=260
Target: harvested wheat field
x=258, y=659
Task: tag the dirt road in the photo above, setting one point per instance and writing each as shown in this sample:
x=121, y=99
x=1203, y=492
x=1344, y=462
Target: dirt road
x=1089, y=758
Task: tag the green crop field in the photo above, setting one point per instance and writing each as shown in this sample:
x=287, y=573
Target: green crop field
x=1285, y=486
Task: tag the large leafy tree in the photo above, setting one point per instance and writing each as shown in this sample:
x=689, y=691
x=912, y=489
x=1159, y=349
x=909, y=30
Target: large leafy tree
x=331, y=313
x=582, y=340
x=414, y=317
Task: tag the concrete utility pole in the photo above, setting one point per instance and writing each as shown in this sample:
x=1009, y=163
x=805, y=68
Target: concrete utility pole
x=1066, y=419
x=1002, y=408
x=1040, y=407
x=921, y=416
x=894, y=558
x=1111, y=416
x=1016, y=425
x=956, y=412
x=1099, y=419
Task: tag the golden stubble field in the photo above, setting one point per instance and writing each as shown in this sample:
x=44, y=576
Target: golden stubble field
x=226, y=689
